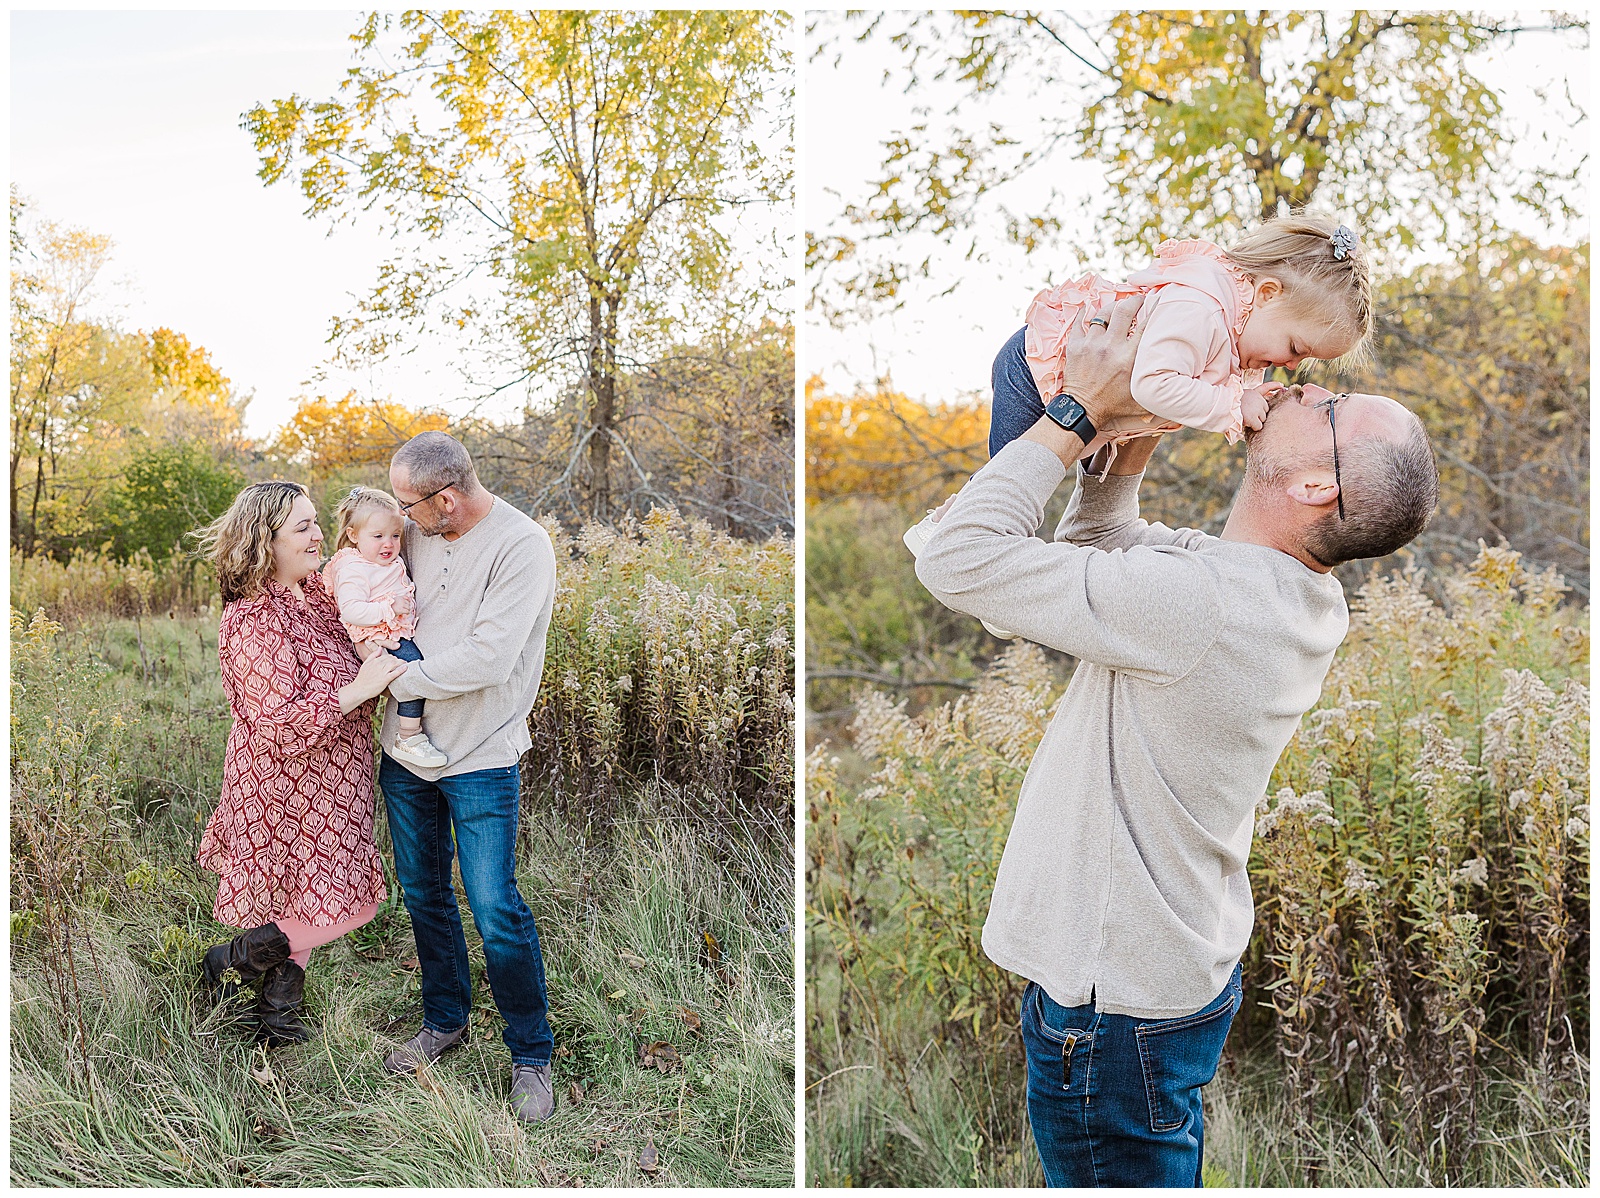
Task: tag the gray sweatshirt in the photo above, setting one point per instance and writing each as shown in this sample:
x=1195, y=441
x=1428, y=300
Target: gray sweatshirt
x=1124, y=872
x=483, y=609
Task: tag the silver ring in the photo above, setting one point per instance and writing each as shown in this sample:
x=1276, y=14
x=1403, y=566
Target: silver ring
x=1101, y=321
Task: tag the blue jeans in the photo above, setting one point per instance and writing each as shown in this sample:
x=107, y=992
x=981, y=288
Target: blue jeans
x=476, y=811
x=1114, y=1100
x=408, y=651
x=1017, y=405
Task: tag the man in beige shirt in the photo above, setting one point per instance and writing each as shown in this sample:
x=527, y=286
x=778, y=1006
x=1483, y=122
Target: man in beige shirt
x=485, y=576
x=1122, y=894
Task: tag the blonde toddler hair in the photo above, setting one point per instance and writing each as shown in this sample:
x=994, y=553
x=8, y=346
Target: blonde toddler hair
x=1303, y=251
x=355, y=508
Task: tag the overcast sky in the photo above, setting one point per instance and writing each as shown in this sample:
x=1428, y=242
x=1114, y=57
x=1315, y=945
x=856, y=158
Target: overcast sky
x=941, y=346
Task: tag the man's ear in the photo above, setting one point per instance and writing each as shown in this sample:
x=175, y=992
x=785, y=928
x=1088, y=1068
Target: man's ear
x=1267, y=289
x=1316, y=489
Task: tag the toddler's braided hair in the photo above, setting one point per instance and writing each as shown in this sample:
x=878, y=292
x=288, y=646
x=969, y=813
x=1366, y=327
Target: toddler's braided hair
x=1327, y=275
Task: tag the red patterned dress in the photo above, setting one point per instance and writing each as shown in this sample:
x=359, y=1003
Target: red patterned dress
x=292, y=833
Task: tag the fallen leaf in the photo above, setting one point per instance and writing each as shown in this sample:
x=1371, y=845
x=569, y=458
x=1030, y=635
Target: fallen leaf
x=411, y=963
x=617, y=994
x=649, y=1158
x=597, y=1146
x=725, y=976
x=660, y=1055
x=713, y=949
x=632, y=960
x=690, y=1019
x=267, y=1131
x=264, y=1075
x=563, y=1051
x=424, y=1080
x=575, y=1092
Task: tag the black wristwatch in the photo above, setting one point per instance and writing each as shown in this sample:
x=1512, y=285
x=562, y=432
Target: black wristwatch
x=1070, y=415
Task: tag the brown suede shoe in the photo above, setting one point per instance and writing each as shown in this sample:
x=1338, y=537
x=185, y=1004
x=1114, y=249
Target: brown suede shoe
x=426, y=1047
x=533, y=1096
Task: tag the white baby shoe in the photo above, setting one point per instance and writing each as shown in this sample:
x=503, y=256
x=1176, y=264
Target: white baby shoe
x=916, y=537
x=417, y=749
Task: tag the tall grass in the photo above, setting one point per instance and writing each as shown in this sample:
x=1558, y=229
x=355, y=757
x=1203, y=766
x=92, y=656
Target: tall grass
x=665, y=922
x=1419, y=969
x=670, y=656
x=163, y=1096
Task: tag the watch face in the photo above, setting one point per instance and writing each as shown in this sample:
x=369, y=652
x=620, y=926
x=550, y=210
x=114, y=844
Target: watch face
x=1065, y=411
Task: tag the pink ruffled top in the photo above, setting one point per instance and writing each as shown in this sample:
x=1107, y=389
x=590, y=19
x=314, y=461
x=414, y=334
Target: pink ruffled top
x=1187, y=368
x=377, y=601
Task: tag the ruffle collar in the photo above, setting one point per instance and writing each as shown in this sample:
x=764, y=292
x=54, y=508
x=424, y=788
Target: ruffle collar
x=1174, y=251
x=316, y=607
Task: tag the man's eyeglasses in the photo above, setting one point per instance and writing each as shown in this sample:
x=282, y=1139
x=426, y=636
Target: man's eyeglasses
x=405, y=508
x=1329, y=403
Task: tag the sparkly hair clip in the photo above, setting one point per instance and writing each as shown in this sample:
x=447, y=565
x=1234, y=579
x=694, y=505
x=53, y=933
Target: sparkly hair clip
x=1344, y=240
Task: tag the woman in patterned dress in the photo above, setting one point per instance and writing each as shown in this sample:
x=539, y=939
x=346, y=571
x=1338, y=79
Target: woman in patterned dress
x=291, y=839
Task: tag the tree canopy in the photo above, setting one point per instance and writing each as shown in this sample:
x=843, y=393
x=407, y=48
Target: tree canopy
x=1205, y=121
x=118, y=438
x=560, y=185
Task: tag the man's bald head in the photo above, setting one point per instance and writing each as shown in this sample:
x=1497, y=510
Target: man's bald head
x=1386, y=474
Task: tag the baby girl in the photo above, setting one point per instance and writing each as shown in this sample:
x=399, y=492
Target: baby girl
x=1298, y=287
x=377, y=602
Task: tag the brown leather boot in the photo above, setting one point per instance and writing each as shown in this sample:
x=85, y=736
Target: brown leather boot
x=242, y=960
x=283, y=990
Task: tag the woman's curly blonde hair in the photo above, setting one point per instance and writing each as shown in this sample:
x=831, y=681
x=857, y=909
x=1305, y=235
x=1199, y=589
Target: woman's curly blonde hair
x=354, y=509
x=239, y=542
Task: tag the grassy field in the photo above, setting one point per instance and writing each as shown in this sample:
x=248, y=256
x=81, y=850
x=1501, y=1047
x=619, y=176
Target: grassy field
x=652, y=934
x=1417, y=987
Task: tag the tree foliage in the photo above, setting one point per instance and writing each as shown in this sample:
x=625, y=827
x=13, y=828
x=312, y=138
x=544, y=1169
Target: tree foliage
x=590, y=161
x=1205, y=122
x=709, y=429
x=98, y=413
x=881, y=443
x=327, y=435
x=168, y=491
x=1493, y=354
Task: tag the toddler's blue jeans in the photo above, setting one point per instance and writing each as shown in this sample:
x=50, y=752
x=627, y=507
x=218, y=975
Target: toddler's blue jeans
x=1114, y=1100
x=408, y=651
x=1017, y=405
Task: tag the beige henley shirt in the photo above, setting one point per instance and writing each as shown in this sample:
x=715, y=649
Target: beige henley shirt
x=1124, y=871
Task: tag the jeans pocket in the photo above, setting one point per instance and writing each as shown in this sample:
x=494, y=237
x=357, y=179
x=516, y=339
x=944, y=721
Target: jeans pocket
x=1061, y=1039
x=1178, y=1056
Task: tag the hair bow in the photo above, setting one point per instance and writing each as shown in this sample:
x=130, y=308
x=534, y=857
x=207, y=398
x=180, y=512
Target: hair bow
x=1344, y=240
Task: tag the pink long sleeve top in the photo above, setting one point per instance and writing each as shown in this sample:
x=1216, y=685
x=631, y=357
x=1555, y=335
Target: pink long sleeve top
x=1187, y=368
x=377, y=602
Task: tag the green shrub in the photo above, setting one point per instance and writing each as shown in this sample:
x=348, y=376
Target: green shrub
x=168, y=491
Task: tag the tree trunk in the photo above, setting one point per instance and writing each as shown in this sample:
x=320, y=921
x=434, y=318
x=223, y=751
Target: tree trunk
x=603, y=404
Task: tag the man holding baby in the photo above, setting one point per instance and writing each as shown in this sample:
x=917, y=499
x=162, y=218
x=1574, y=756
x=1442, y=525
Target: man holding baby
x=485, y=587
x=1122, y=894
